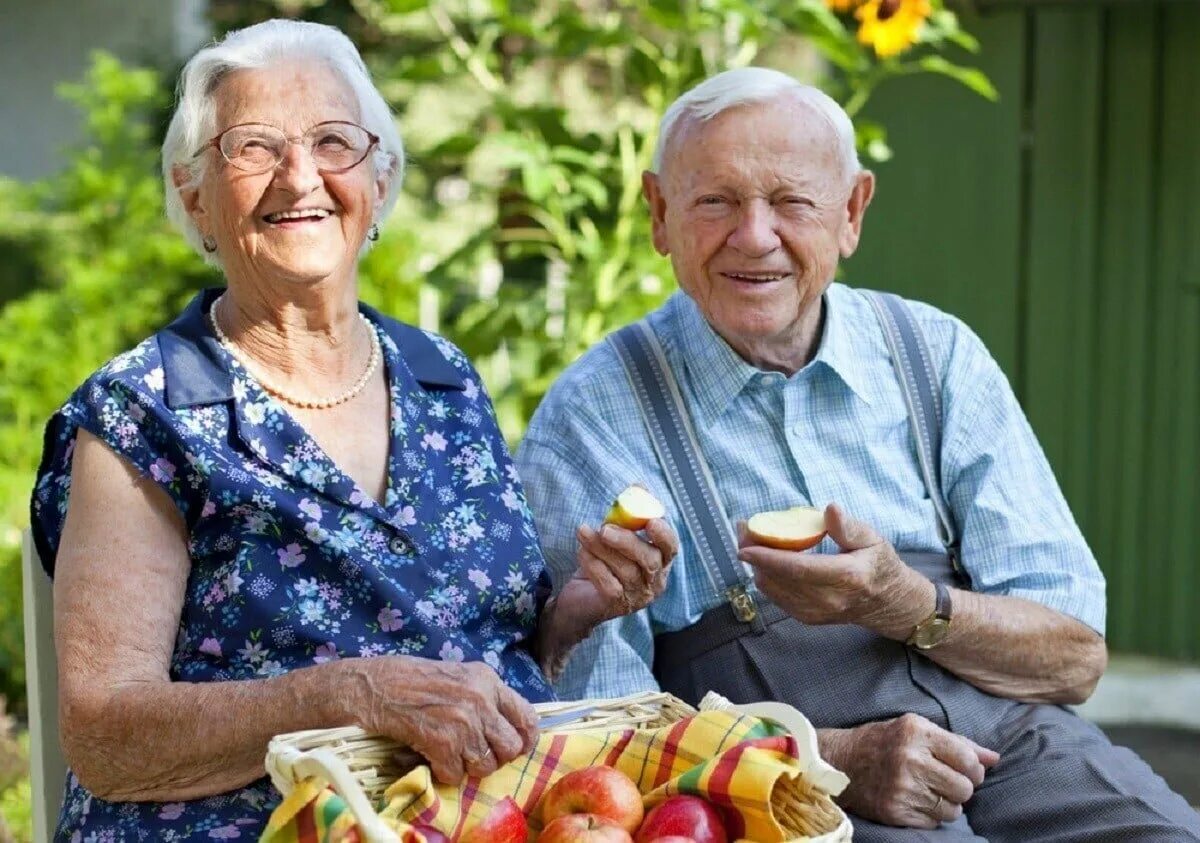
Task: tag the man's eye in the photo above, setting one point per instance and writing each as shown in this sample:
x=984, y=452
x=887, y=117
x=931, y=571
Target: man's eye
x=712, y=200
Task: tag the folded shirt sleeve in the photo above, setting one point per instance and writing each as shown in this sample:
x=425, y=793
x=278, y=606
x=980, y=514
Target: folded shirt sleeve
x=126, y=412
x=1019, y=537
x=572, y=468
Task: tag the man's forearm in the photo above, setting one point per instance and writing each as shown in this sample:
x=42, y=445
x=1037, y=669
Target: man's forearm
x=1016, y=648
x=1009, y=646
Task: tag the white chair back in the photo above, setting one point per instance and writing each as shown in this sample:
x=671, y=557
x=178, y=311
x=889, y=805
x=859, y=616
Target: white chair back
x=48, y=768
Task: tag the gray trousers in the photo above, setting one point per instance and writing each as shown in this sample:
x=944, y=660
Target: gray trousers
x=1059, y=779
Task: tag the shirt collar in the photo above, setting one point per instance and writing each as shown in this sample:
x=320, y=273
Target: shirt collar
x=841, y=350
x=718, y=374
x=193, y=372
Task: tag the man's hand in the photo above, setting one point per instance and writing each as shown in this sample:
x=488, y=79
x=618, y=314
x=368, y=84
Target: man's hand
x=906, y=772
x=868, y=584
x=625, y=571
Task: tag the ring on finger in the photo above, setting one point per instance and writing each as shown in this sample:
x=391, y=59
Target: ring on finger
x=475, y=759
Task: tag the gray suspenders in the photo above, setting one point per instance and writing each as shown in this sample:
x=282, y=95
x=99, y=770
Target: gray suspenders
x=670, y=427
x=923, y=397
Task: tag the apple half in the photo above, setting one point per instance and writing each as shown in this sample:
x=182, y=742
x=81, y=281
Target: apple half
x=634, y=508
x=798, y=528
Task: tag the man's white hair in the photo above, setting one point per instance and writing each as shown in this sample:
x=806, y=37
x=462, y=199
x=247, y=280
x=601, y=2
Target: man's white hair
x=258, y=46
x=747, y=85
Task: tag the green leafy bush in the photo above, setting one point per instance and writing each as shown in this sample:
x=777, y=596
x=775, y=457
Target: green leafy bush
x=98, y=271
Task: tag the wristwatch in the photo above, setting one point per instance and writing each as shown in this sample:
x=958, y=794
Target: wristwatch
x=933, y=630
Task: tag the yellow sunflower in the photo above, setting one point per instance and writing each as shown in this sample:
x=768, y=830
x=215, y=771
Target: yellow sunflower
x=893, y=28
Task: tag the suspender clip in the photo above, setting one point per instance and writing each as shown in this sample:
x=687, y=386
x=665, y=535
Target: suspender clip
x=743, y=605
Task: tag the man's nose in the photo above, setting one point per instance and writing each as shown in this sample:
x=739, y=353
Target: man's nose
x=296, y=171
x=755, y=233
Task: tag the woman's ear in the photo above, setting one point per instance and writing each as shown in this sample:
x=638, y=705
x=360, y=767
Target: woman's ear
x=383, y=182
x=190, y=194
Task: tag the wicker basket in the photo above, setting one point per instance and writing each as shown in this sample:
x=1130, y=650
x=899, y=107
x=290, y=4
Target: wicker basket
x=360, y=767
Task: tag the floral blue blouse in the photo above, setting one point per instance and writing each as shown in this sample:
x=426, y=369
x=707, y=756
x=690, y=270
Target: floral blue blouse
x=292, y=564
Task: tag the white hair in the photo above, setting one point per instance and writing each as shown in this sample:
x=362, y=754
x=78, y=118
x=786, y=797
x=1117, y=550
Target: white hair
x=747, y=85
x=258, y=46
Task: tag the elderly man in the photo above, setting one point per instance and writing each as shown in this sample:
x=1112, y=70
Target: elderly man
x=933, y=640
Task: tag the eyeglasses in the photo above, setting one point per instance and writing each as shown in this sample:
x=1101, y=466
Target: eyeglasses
x=335, y=146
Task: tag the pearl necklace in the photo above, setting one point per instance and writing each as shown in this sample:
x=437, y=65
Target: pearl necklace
x=307, y=404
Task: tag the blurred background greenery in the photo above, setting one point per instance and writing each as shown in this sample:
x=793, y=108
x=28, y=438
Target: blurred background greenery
x=521, y=237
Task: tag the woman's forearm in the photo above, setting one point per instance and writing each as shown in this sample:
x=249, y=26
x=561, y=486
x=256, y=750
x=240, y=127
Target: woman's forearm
x=173, y=741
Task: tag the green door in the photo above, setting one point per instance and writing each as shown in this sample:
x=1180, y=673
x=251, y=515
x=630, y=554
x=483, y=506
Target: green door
x=1062, y=225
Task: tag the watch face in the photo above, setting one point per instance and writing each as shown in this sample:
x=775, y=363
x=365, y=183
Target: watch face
x=931, y=634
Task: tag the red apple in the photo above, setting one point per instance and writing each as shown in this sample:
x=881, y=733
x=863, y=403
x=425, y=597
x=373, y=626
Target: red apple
x=504, y=824
x=672, y=838
x=583, y=828
x=606, y=792
x=798, y=528
x=685, y=816
x=421, y=833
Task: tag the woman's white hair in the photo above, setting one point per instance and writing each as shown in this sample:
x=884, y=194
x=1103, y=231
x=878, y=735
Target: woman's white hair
x=258, y=46
x=747, y=85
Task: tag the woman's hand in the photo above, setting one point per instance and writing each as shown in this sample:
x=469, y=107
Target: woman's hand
x=460, y=716
x=625, y=571
x=619, y=573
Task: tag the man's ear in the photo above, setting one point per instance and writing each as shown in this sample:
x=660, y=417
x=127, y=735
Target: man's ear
x=856, y=209
x=190, y=194
x=652, y=190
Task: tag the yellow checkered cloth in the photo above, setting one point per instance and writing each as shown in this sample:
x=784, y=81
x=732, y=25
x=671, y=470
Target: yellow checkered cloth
x=734, y=761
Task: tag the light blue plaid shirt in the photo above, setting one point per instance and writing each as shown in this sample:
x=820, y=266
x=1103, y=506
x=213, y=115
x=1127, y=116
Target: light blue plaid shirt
x=836, y=431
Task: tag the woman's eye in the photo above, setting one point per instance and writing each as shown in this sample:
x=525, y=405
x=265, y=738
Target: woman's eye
x=333, y=142
x=712, y=200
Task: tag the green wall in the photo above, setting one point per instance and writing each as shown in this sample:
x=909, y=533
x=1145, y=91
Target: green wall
x=1062, y=224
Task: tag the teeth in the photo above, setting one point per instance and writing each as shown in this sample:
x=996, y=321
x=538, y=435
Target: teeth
x=307, y=213
x=742, y=277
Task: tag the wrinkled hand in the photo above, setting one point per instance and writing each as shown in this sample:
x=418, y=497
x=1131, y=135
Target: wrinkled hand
x=868, y=584
x=906, y=772
x=625, y=571
x=460, y=716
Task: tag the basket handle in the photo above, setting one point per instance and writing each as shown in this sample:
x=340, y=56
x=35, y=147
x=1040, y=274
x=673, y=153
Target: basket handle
x=321, y=763
x=828, y=778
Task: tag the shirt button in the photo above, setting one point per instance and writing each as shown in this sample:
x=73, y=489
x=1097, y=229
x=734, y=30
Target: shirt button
x=400, y=546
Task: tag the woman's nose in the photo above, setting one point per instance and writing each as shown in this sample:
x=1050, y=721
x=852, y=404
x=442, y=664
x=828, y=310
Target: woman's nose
x=296, y=171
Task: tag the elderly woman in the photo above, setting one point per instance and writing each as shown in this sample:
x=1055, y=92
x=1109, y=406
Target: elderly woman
x=286, y=511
